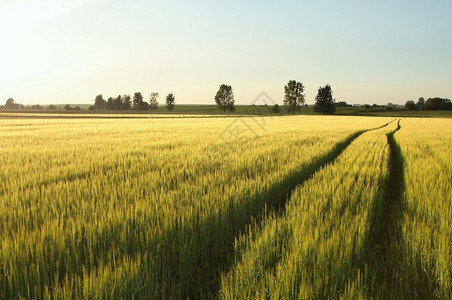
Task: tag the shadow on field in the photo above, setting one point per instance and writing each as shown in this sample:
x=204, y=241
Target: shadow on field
x=385, y=227
x=211, y=241
x=196, y=254
x=186, y=260
x=382, y=261
x=385, y=254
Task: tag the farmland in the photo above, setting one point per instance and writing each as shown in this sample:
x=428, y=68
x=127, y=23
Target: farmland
x=230, y=207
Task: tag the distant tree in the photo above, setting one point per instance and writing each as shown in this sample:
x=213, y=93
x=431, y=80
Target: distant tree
x=170, y=101
x=324, y=102
x=447, y=104
x=51, y=106
x=409, y=105
x=367, y=106
x=138, y=101
x=342, y=104
x=126, y=102
x=68, y=107
x=225, y=98
x=276, y=109
x=37, y=106
x=294, y=96
x=144, y=105
x=110, y=103
x=91, y=107
x=77, y=108
x=100, y=103
x=11, y=105
x=118, y=103
x=420, y=103
x=374, y=105
x=153, y=103
x=438, y=104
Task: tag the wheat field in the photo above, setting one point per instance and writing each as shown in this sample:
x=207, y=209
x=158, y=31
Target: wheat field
x=225, y=207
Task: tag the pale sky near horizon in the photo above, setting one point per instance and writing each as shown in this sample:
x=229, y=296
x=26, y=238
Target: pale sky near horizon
x=65, y=51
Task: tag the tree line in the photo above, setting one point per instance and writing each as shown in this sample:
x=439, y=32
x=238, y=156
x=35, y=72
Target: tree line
x=224, y=99
x=435, y=103
x=294, y=98
x=11, y=104
x=126, y=102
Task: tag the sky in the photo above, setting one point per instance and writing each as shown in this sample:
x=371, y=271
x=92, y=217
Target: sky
x=66, y=51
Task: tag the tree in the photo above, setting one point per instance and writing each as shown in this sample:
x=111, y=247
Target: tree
x=420, y=103
x=294, y=96
x=51, y=106
x=144, y=105
x=409, y=105
x=137, y=101
x=126, y=102
x=276, y=109
x=324, y=102
x=118, y=103
x=110, y=103
x=170, y=101
x=367, y=106
x=68, y=107
x=100, y=103
x=153, y=103
x=11, y=105
x=225, y=98
x=438, y=104
x=77, y=108
x=342, y=104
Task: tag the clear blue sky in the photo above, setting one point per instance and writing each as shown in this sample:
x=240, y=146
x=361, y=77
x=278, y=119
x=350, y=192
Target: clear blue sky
x=64, y=51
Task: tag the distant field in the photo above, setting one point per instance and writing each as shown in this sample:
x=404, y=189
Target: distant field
x=240, y=207
x=397, y=112
x=178, y=109
x=212, y=110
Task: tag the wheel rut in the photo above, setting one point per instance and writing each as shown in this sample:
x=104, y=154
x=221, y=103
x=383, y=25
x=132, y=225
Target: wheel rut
x=282, y=192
